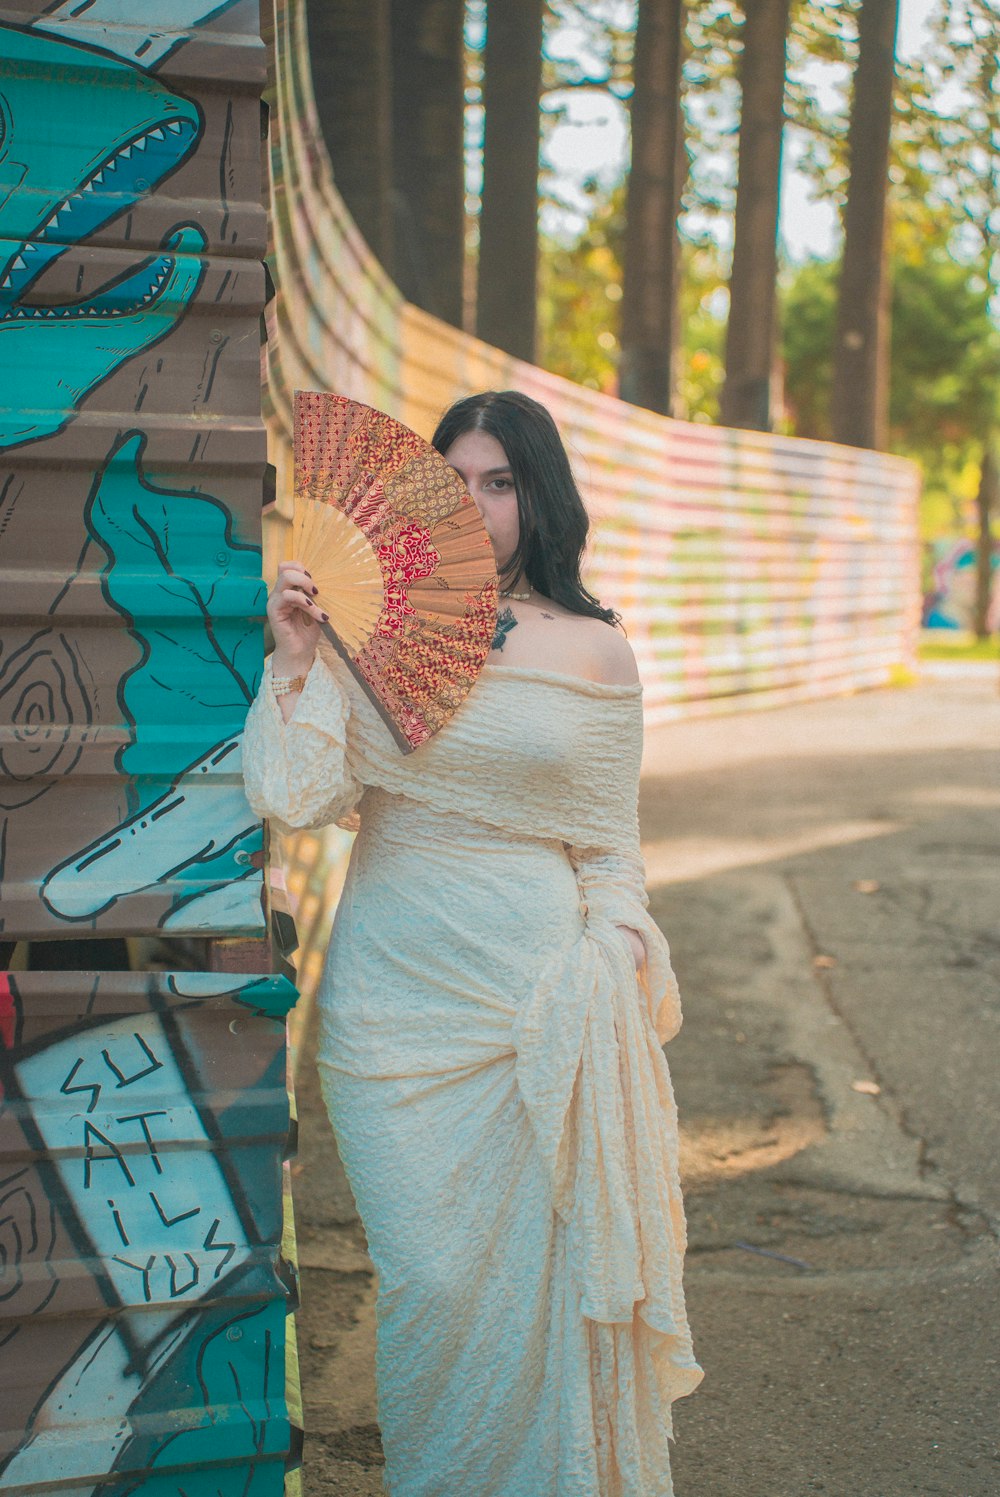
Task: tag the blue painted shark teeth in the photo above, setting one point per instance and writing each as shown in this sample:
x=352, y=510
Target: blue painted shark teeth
x=146, y=158
x=127, y=296
x=20, y=268
x=58, y=359
x=119, y=173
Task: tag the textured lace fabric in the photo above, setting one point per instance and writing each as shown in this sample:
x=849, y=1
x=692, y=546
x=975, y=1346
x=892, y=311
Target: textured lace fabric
x=493, y=1069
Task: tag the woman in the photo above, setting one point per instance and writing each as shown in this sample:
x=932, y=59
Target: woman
x=492, y=1009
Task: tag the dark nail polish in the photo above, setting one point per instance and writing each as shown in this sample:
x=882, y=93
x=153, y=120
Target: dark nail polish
x=326, y=618
x=315, y=591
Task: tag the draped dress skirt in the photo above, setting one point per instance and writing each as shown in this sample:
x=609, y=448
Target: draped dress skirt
x=483, y=1357
x=442, y=927
x=492, y=1064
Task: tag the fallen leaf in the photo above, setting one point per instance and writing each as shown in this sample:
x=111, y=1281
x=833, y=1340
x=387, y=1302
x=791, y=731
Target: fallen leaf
x=867, y=1088
x=866, y=886
x=824, y=961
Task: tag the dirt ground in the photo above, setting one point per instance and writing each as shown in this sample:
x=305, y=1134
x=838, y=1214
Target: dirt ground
x=827, y=877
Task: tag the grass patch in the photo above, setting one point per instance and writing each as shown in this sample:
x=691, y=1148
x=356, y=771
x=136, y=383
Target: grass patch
x=942, y=644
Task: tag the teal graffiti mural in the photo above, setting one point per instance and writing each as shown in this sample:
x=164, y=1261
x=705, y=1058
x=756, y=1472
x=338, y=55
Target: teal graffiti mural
x=112, y=136
x=140, y=1228
x=200, y=830
x=59, y=355
x=951, y=579
x=144, y=1116
x=176, y=570
x=192, y=596
x=191, y=592
x=148, y=31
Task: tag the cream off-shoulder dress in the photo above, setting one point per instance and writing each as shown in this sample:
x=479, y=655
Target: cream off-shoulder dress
x=492, y=1066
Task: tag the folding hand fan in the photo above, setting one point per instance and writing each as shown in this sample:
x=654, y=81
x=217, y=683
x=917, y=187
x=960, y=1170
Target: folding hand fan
x=400, y=556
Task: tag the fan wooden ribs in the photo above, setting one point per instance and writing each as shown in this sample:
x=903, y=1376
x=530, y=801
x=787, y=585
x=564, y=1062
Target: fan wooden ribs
x=400, y=557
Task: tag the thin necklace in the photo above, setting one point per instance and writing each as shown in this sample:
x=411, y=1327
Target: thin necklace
x=519, y=596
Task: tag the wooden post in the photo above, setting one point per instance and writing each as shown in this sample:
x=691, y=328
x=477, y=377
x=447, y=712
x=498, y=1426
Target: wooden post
x=428, y=102
x=750, y=338
x=652, y=252
x=860, y=395
x=508, y=224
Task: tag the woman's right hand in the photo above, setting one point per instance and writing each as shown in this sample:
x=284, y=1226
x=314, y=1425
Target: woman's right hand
x=294, y=619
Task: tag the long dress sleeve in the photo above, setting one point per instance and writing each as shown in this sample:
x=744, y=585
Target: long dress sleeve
x=296, y=773
x=612, y=884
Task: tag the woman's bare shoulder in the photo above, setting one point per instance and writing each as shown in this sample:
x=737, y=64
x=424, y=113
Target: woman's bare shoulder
x=596, y=650
x=612, y=655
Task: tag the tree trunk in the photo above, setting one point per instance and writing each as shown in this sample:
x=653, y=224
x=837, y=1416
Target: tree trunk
x=860, y=395
x=987, y=505
x=349, y=48
x=428, y=103
x=652, y=251
x=751, y=333
x=508, y=225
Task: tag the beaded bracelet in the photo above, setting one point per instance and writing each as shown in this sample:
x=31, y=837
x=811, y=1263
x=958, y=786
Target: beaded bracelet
x=282, y=685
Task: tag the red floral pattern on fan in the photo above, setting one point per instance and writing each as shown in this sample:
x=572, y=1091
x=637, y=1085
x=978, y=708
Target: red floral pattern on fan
x=407, y=556
x=419, y=663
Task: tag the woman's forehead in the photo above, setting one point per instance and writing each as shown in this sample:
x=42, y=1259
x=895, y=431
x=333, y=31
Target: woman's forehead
x=479, y=452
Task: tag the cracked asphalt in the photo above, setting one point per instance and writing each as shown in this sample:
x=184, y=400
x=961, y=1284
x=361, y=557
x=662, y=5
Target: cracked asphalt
x=827, y=877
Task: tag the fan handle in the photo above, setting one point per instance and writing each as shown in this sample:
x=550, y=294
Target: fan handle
x=330, y=634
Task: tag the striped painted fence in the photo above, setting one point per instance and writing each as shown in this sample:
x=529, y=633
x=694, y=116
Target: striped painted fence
x=750, y=569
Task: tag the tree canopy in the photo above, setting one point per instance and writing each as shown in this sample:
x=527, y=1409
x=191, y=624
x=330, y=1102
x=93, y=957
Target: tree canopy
x=944, y=232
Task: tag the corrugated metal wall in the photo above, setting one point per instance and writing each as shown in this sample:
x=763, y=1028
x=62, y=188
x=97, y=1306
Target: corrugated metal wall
x=132, y=456
x=143, y=1128
x=144, y=1116
x=750, y=569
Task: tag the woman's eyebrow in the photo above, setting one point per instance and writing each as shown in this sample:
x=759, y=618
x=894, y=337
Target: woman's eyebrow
x=488, y=473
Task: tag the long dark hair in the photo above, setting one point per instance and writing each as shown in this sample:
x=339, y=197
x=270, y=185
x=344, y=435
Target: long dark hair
x=553, y=521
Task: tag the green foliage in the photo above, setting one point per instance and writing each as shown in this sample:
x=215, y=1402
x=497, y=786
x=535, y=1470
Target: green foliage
x=579, y=295
x=809, y=315
x=946, y=355
x=957, y=646
x=945, y=363
x=944, y=228
x=703, y=308
x=945, y=360
x=601, y=52
x=945, y=246
x=949, y=117
x=711, y=98
x=579, y=310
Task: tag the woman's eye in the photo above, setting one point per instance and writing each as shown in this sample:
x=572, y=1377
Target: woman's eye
x=503, y=485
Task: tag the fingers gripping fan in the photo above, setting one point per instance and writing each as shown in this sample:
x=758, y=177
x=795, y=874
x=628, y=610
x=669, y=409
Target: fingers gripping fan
x=400, y=556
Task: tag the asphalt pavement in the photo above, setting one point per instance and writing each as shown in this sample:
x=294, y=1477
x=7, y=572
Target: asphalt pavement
x=827, y=876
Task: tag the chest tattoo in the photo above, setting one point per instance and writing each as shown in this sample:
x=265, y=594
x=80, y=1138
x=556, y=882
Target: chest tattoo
x=548, y=615
x=505, y=623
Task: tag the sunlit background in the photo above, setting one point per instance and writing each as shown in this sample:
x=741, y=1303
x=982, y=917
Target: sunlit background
x=944, y=220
